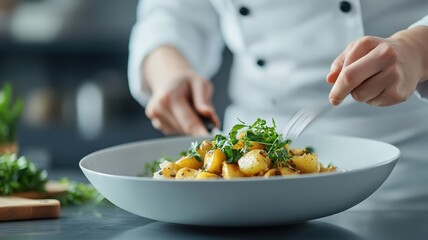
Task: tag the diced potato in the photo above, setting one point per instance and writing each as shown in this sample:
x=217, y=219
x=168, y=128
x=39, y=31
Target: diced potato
x=307, y=163
x=298, y=151
x=169, y=169
x=213, y=161
x=186, y=174
x=287, y=171
x=329, y=168
x=206, y=175
x=270, y=173
x=158, y=175
x=189, y=162
x=254, y=145
x=254, y=162
x=204, y=148
x=231, y=170
x=240, y=144
x=241, y=135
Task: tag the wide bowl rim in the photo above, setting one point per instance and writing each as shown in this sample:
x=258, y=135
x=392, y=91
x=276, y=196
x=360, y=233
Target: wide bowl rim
x=388, y=161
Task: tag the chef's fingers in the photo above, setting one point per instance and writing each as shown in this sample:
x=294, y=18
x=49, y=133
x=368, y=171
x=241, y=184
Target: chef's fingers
x=354, y=74
x=337, y=65
x=159, y=108
x=352, y=52
x=164, y=126
x=379, y=100
x=202, y=91
x=188, y=119
x=360, y=48
x=335, y=69
x=392, y=93
x=371, y=88
x=388, y=97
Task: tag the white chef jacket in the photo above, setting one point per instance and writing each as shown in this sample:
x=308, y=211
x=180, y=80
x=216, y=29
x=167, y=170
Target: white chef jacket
x=282, y=52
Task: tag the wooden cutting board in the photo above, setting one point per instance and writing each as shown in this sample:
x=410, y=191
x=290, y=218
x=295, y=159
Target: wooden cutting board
x=32, y=205
x=17, y=208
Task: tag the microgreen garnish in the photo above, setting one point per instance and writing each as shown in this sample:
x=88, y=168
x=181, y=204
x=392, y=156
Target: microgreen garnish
x=226, y=146
x=193, y=151
x=258, y=132
x=151, y=167
x=309, y=150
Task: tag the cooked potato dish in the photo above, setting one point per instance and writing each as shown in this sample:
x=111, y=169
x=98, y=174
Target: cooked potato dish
x=255, y=150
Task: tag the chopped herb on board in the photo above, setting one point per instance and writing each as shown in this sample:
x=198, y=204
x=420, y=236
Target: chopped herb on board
x=79, y=193
x=18, y=174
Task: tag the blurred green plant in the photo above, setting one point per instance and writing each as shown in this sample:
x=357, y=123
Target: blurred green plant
x=79, y=193
x=19, y=175
x=10, y=112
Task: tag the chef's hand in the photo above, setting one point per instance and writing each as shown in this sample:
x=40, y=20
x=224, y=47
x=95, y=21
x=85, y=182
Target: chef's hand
x=381, y=71
x=179, y=95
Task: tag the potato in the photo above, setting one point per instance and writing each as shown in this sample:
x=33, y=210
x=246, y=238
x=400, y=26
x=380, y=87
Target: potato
x=189, y=162
x=186, y=174
x=240, y=144
x=231, y=170
x=206, y=175
x=213, y=161
x=254, y=145
x=284, y=171
x=254, y=162
x=241, y=135
x=204, y=148
x=307, y=163
x=287, y=148
x=298, y=151
x=169, y=169
x=270, y=173
x=329, y=168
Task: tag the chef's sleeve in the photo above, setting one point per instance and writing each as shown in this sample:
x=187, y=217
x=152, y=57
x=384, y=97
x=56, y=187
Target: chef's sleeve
x=191, y=26
x=422, y=88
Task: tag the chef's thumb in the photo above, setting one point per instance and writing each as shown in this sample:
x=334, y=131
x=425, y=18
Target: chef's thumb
x=201, y=93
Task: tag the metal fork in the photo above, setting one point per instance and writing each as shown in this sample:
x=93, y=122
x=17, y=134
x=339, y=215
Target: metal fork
x=303, y=118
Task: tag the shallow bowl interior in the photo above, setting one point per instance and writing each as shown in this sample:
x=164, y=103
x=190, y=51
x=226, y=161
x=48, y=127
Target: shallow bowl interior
x=241, y=202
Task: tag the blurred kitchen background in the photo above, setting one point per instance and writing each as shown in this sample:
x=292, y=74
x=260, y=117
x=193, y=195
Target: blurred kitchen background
x=68, y=60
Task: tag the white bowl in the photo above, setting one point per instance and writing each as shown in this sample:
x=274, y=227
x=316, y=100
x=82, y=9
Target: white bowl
x=241, y=202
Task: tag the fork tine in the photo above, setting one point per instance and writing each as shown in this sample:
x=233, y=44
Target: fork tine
x=306, y=120
x=299, y=124
x=302, y=118
x=292, y=122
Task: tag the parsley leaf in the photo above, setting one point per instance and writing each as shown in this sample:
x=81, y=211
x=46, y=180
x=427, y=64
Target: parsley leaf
x=258, y=132
x=19, y=175
x=79, y=193
x=193, y=151
x=9, y=115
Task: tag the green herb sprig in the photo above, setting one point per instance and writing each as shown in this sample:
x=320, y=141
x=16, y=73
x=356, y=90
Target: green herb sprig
x=258, y=132
x=9, y=115
x=20, y=174
x=79, y=193
x=193, y=151
x=151, y=167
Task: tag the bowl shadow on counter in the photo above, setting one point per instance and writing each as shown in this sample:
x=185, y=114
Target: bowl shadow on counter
x=308, y=230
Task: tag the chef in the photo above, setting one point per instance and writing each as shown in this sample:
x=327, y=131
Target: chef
x=369, y=59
